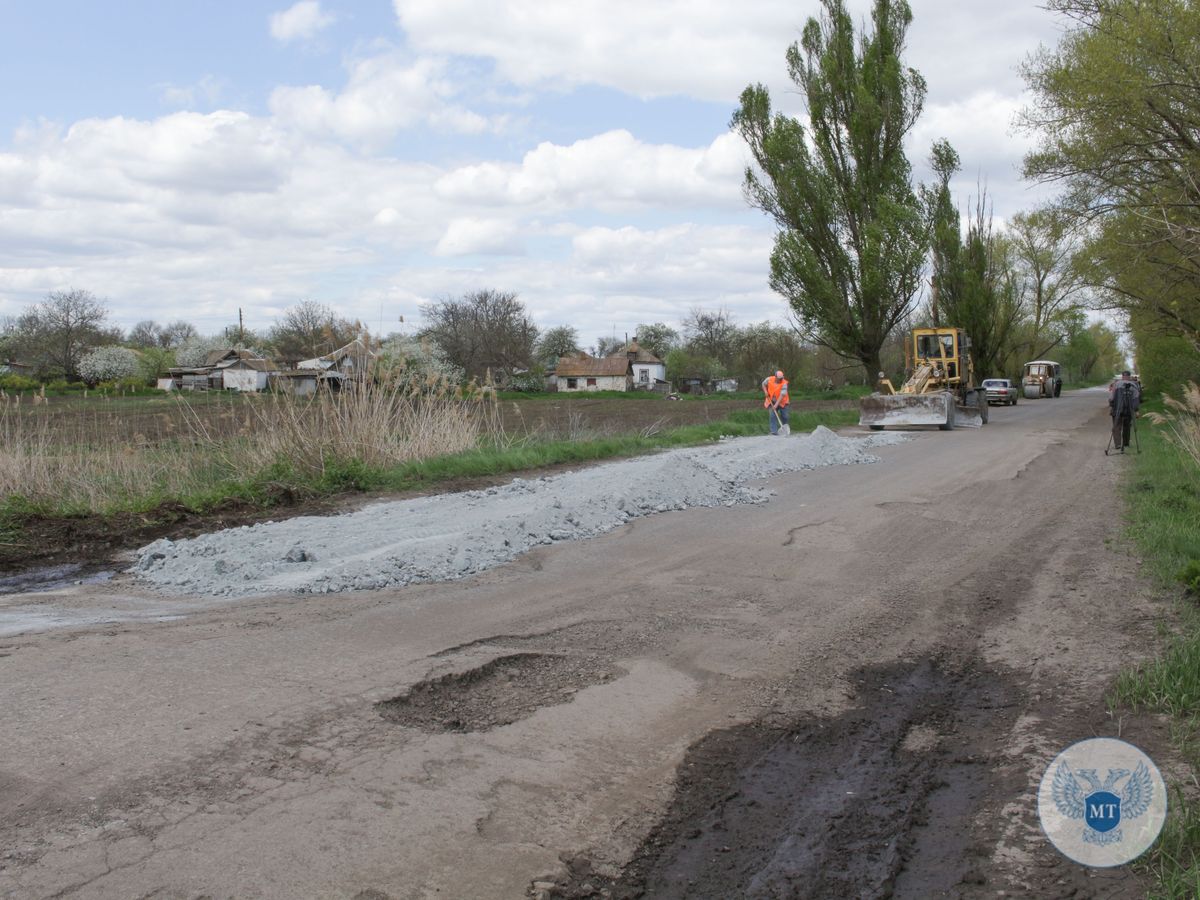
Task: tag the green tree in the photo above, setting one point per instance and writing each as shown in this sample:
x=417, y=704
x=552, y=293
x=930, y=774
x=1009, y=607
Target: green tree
x=1044, y=249
x=1088, y=350
x=659, y=338
x=765, y=347
x=153, y=363
x=975, y=287
x=1117, y=113
x=853, y=234
x=562, y=340
x=685, y=364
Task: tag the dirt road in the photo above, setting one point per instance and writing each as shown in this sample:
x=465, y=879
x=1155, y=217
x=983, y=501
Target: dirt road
x=851, y=690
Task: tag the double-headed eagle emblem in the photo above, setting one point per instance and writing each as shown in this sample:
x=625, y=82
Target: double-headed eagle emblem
x=1099, y=805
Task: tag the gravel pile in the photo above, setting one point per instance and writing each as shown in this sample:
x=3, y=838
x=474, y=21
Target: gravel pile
x=450, y=536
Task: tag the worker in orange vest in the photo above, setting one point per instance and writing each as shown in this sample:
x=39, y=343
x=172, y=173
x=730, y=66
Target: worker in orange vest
x=776, y=403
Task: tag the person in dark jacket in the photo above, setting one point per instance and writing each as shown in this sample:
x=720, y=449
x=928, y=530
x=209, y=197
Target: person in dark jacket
x=1124, y=398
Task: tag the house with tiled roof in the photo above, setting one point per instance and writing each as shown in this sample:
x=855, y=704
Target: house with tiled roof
x=587, y=373
x=647, y=370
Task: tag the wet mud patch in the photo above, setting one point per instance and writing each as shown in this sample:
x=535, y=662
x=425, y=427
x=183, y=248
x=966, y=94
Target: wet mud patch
x=500, y=692
x=50, y=578
x=878, y=802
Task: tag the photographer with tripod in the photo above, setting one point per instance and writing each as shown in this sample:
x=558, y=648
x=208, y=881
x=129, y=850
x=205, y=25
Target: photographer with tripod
x=1124, y=398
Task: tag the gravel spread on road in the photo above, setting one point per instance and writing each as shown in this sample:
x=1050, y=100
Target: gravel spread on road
x=449, y=536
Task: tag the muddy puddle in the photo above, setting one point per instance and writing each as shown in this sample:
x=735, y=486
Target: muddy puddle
x=877, y=802
x=49, y=578
x=500, y=692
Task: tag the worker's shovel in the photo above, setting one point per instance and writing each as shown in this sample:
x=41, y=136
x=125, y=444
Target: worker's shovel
x=784, y=430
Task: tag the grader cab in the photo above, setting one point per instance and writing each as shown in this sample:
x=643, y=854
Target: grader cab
x=940, y=388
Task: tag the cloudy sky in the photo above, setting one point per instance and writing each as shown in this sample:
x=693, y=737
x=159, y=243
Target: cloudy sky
x=184, y=159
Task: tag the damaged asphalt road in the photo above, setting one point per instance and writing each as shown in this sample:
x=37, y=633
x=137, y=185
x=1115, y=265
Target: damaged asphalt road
x=849, y=690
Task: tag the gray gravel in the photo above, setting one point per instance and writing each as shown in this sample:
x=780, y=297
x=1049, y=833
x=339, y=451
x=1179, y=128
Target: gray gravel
x=450, y=536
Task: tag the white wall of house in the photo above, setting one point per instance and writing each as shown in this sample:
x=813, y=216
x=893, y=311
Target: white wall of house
x=245, y=380
x=593, y=383
x=645, y=374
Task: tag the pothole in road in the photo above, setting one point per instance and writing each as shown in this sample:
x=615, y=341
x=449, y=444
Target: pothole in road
x=500, y=692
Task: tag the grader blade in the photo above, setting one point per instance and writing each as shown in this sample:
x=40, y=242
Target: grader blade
x=880, y=410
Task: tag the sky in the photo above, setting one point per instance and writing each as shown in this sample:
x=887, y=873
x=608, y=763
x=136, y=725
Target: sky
x=187, y=160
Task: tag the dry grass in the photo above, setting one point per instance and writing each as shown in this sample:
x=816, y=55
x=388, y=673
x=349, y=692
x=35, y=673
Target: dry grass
x=1183, y=420
x=110, y=458
x=377, y=425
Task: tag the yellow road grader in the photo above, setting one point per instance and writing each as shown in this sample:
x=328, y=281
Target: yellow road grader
x=940, y=389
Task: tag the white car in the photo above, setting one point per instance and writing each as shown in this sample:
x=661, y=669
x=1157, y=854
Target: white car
x=1001, y=390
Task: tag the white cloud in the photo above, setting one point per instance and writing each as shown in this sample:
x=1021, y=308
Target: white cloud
x=710, y=50
x=610, y=171
x=645, y=49
x=471, y=236
x=299, y=22
x=384, y=95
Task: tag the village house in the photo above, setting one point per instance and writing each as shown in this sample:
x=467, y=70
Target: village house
x=587, y=373
x=647, y=370
x=248, y=374
x=304, y=382
x=238, y=370
x=353, y=359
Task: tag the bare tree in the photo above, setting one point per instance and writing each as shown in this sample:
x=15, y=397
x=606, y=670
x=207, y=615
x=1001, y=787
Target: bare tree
x=146, y=333
x=175, y=334
x=485, y=330
x=606, y=345
x=309, y=329
x=711, y=334
x=58, y=331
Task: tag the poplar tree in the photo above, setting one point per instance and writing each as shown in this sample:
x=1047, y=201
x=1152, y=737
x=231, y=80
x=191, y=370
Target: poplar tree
x=853, y=232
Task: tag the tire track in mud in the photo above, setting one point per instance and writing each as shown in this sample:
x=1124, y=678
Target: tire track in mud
x=874, y=803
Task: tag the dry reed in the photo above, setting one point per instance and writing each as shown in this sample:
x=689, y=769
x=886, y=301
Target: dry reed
x=105, y=458
x=1183, y=420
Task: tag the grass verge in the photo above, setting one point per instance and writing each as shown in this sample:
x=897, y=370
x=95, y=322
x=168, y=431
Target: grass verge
x=1163, y=500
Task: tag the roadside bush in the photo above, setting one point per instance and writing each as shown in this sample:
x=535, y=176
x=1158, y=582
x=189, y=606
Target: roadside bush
x=18, y=383
x=526, y=384
x=130, y=385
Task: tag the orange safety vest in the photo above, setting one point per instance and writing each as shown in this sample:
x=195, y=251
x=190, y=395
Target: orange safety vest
x=776, y=387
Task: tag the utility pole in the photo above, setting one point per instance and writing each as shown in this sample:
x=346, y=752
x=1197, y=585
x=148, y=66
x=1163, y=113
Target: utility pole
x=241, y=328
